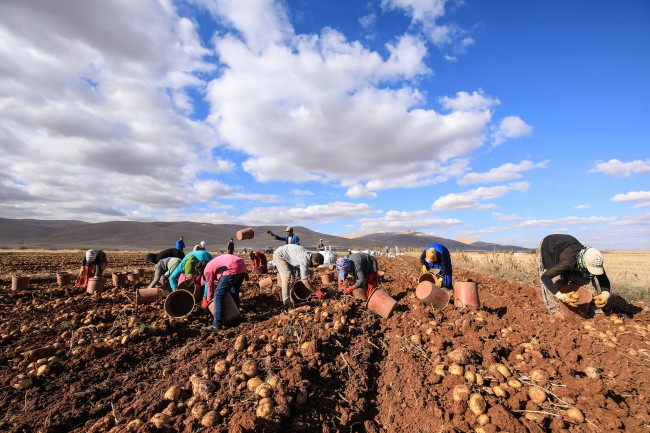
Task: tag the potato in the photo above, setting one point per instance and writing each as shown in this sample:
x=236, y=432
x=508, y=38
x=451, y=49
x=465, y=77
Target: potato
x=221, y=367
x=479, y=379
x=273, y=381
x=160, y=420
x=501, y=369
x=253, y=383
x=43, y=370
x=477, y=404
x=440, y=370
x=470, y=377
x=415, y=339
x=456, y=369
x=460, y=393
x=460, y=356
x=498, y=391
x=172, y=394
x=211, y=418
x=483, y=419
x=264, y=408
x=540, y=376
x=536, y=394
x=249, y=368
x=575, y=415
x=240, y=343
x=264, y=390
x=514, y=383
x=134, y=424
x=171, y=409
x=22, y=382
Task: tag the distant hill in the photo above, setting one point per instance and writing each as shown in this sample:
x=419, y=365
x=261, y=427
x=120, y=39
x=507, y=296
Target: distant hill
x=155, y=236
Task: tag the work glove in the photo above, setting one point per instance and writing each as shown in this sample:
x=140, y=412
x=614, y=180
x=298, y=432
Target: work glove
x=424, y=269
x=439, y=282
x=81, y=270
x=601, y=300
x=319, y=294
x=349, y=290
x=204, y=303
x=570, y=298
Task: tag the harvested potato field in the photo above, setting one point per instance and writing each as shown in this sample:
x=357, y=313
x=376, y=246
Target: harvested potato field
x=71, y=361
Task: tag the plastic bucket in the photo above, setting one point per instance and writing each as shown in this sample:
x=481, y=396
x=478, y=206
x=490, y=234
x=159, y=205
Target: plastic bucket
x=179, y=303
x=119, y=279
x=19, y=283
x=230, y=311
x=63, y=278
x=431, y=294
x=381, y=303
x=299, y=293
x=266, y=282
x=130, y=276
x=166, y=288
x=195, y=289
x=327, y=278
x=584, y=302
x=246, y=233
x=146, y=295
x=466, y=294
x=140, y=272
x=95, y=285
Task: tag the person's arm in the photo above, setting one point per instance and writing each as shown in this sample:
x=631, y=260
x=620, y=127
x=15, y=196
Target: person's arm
x=547, y=277
x=422, y=257
x=445, y=265
x=173, y=277
x=295, y=240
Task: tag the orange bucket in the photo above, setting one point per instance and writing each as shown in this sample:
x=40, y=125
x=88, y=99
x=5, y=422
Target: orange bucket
x=63, y=278
x=95, y=284
x=266, y=282
x=146, y=296
x=299, y=293
x=584, y=301
x=230, y=311
x=19, y=283
x=179, y=303
x=466, y=294
x=431, y=294
x=327, y=278
x=381, y=303
x=246, y=233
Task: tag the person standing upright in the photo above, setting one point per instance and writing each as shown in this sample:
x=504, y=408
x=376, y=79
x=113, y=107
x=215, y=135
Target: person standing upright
x=290, y=238
x=180, y=245
x=231, y=246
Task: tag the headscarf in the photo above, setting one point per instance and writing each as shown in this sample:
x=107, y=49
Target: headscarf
x=342, y=266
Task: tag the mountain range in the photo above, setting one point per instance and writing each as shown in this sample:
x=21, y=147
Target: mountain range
x=154, y=236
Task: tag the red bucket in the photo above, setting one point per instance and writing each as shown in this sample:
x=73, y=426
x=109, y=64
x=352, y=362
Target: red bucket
x=246, y=233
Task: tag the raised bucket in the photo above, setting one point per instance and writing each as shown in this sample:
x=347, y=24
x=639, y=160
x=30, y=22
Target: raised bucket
x=95, y=285
x=299, y=293
x=19, y=283
x=230, y=311
x=466, y=294
x=266, y=282
x=431, y=294
x=381, y=303
x=146, y=295
x=246, y=233
x=327, y=278
x=584, y=302
x=179, y=303
x=63, y=278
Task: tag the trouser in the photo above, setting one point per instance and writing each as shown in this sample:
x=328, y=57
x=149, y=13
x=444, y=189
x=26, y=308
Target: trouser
x=286, y=274
x=227, y=284
x=158, y=271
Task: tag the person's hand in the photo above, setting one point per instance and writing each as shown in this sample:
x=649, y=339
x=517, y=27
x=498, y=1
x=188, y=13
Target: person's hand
x=601, y=300
x=570, y=298
x=424, y=269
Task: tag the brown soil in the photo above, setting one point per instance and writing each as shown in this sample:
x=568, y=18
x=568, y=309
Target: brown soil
x=333, y=366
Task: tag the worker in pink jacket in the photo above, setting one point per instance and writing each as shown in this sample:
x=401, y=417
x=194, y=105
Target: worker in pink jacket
x=222, y=275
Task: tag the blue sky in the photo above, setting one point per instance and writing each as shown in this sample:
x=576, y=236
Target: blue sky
x=499, y=121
